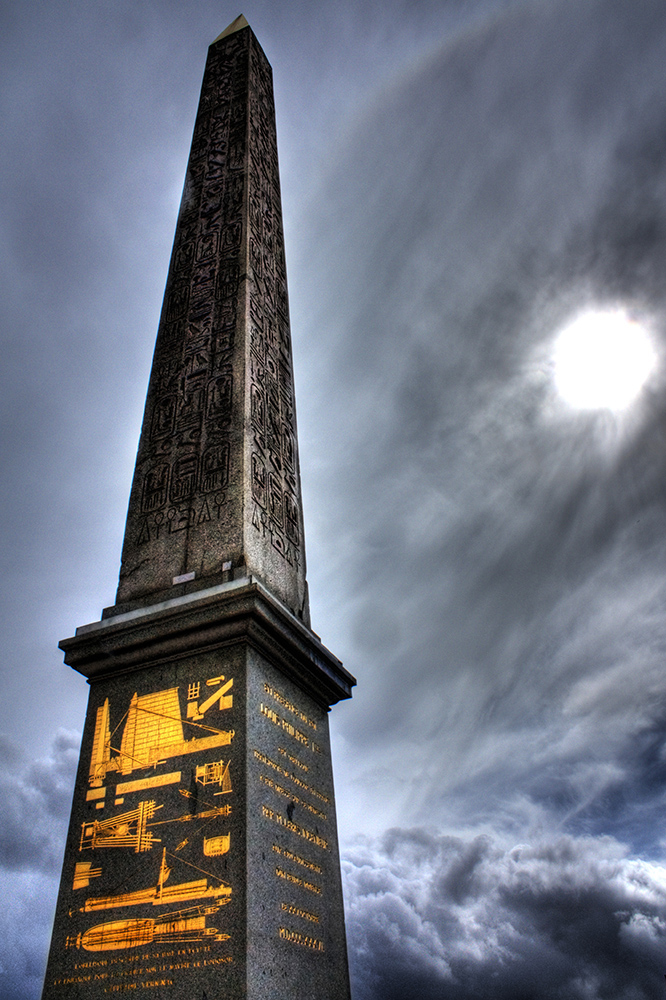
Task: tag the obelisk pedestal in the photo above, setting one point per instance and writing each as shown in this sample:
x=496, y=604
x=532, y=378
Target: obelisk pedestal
x=202, y=858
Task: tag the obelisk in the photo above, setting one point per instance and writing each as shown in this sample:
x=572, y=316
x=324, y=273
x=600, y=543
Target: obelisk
x=202, y=859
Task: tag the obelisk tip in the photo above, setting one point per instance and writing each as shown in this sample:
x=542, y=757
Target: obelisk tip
x=240, y=22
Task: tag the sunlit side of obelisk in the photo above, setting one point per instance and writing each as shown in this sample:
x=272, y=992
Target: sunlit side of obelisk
x=202, y=857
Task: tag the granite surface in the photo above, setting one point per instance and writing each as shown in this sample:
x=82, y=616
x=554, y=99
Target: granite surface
x=202, y=855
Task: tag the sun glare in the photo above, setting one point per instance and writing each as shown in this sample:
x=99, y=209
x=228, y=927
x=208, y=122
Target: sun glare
x=602, y=360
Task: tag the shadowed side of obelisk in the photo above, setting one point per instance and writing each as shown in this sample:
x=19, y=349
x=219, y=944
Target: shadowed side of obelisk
x=216, y=491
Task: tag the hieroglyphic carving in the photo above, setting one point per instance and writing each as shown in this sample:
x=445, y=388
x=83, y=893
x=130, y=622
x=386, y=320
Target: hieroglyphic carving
x=274, y=475
x=185, y=449
x=227, y=278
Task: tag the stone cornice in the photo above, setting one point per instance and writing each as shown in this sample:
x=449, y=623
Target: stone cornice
x=239, y=611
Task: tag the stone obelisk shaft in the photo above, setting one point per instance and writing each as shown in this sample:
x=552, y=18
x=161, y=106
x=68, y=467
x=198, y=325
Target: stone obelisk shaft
x=216, y=491
x=202, y=853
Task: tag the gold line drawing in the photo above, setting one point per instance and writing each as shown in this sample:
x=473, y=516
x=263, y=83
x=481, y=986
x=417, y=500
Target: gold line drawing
x=101, y=745
x=83, y=872
x=129, y=829
x=180, y=926
x=159, y=894
x=133, y=828
x=143, y=784
x=197, y=711
x=153, y=732
x=204, y=814
x=215, y=773
x=213, y=847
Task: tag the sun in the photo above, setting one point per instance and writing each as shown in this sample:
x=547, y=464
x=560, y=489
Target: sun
x=602, y=360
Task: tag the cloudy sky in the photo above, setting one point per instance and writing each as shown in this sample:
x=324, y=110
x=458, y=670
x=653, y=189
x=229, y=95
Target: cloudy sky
x=461, y=179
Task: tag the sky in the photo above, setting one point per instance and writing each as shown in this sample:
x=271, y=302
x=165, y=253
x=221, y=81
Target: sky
x=461, y=179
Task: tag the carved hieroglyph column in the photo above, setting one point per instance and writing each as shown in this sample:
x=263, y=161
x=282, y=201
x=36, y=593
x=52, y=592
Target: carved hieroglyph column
x=202, y=859
x=216, y=488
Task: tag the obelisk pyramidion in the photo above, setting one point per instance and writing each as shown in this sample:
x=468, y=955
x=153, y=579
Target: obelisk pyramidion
x=202, y=859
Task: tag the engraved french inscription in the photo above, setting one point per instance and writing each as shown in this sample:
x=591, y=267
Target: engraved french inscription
x=289, y=705
x=297, y=858
x=297, y=911
x=295, y=828
x=287, y=726
x=290, y=775
x=303, y=940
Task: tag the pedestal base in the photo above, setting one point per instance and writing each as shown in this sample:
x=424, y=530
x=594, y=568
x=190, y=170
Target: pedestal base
x=202, y=857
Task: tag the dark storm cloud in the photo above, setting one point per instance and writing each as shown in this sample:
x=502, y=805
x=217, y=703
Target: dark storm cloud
x=36, y=798
x=26, y=919
x=510, y=553
x=438, y=917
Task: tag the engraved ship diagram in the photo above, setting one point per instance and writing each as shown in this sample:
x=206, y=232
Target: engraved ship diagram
x=161, y=894
x=153, y=731
x=178, y=927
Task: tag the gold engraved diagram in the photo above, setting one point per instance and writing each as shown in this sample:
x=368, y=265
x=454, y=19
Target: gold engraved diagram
x=153, y=731
x=216, y=773
x=204, y=814
x=132, y=828
x=143, y=784
x=129, y=829
x=160, y=893
x=83, y=872
x=197, y=711
x=213, y=847
x=179, y=927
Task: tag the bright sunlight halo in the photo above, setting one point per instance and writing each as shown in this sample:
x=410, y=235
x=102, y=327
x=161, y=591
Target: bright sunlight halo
x=602, y=360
